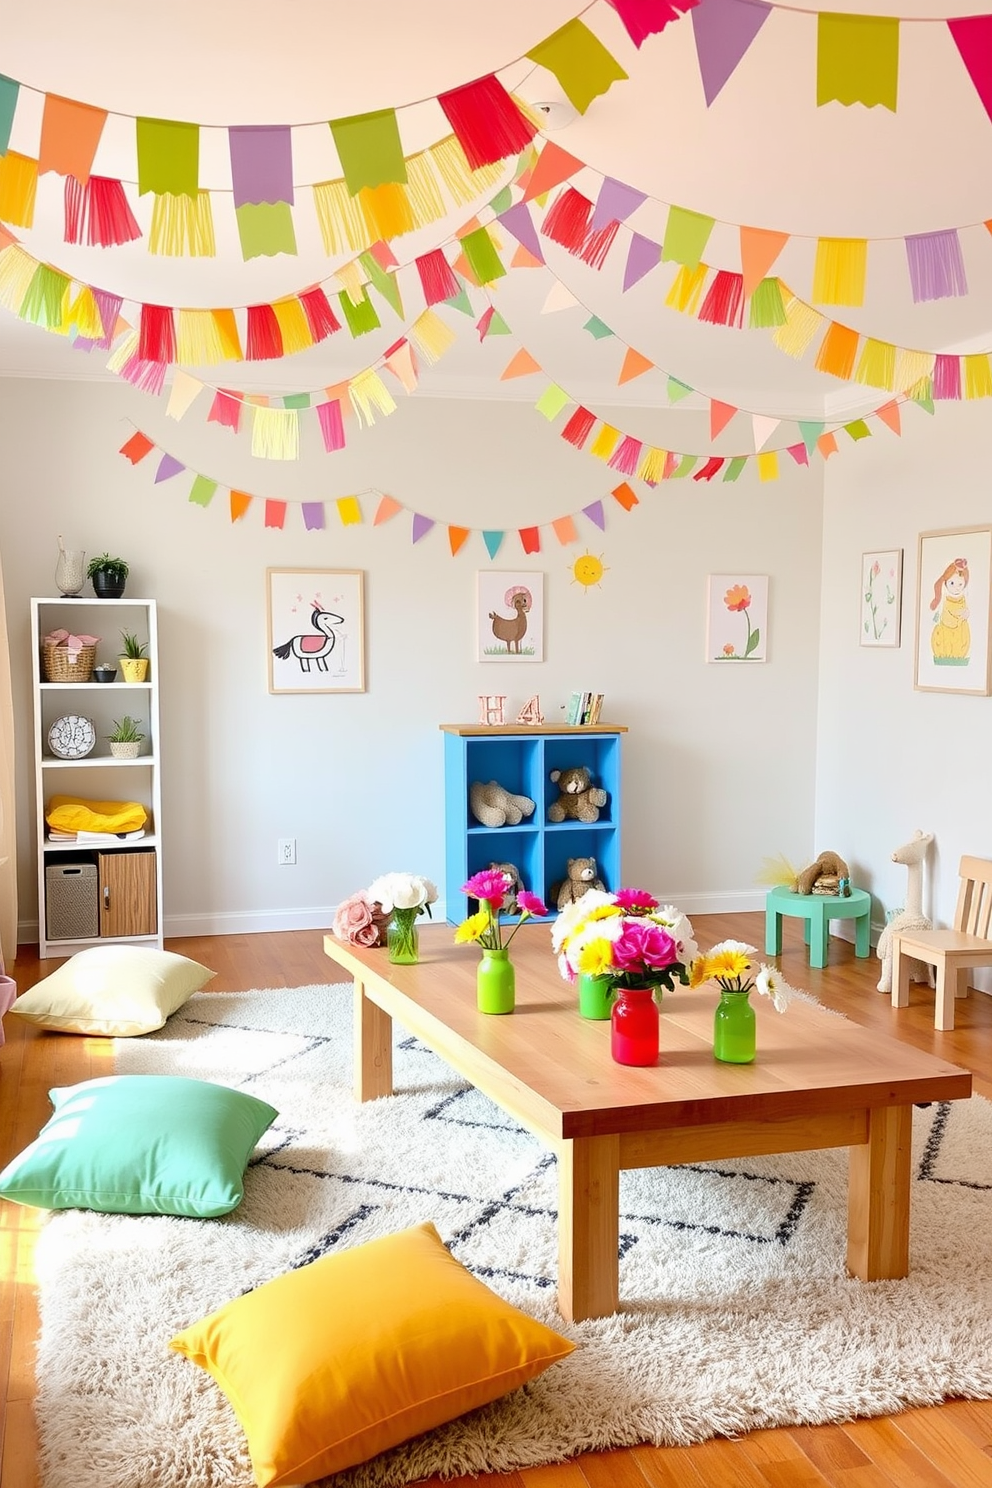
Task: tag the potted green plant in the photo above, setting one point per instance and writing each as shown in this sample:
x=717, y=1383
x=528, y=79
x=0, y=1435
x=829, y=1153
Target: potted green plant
x=125, y=741
x=133, y=661
x=107, y=575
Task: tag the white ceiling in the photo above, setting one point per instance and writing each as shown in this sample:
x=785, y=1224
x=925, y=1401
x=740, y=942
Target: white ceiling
x=763, y=155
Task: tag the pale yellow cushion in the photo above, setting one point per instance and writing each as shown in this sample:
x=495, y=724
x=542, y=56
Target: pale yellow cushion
x=329, y=1365
x=116, y=990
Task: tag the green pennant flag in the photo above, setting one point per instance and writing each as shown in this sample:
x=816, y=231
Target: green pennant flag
x=686, y=236
x=386, y=284
x=684, y=466
x=265, y=229
x=767, y=308
x=678, y=390
x=497, y=326
x=597, y=328
x=579, y=61
x=296, y=400
x=857, y=59
x=858, y=429
x=361, y=318
x=735, y=467
x=921, y=393
x=461, y=302
x=369, y=149
x=168, y=157
x=810, y=433
x=492, y=541
x=202, y=491
x=482, y=257
x=552, y=401
x=8, y=107
x=502, y=200
x=42, y=304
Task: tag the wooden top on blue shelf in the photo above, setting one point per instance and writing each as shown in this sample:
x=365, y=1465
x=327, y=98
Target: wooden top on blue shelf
x=472, y=729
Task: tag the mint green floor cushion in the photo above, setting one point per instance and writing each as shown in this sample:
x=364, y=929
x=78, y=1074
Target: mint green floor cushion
x=141, y=1144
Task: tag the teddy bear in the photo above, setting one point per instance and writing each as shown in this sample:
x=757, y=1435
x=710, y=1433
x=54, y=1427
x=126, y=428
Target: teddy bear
x=512, y=872
x=495, y=807
x=581, y=878
x=823, y=876
x=578, y=799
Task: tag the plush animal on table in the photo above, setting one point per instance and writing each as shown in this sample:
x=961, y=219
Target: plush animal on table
x=823, y=876
x=512, y=872
x=578, y=799
x=912, y=853
x=493, y=806
x=581, y=878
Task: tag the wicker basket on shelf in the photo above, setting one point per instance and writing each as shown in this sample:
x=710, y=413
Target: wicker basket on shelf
x=57, y=667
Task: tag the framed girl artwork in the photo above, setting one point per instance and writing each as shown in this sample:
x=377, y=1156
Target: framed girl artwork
x=737, y=617
x=315, y=629
x=954, y=583
x=881, y=597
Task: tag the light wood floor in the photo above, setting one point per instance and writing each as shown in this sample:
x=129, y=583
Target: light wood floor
x=946, y=1446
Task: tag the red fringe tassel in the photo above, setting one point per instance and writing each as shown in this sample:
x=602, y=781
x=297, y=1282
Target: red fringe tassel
x=486, y=121
x=320, y=317
x=567, y=222
x=598, y=244
x=724, y=301
x=709, y=470
x=579, y=427
x=626, y=456
x=225, y=410
x=264, y=334
x=157, y=335
x=437, y=278
x=946, y=376
x=99, y=210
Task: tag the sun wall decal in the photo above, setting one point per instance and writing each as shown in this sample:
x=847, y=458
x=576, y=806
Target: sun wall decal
x=588, y=570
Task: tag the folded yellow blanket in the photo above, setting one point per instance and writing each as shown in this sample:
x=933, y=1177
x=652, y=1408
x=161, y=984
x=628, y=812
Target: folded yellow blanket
x=70, y=814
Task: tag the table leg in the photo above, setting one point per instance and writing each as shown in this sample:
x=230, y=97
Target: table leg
x=373, y=1036
x=773, y=931
x=878, y=1197
x=589, y=1227
x=818, y=927
x=862, y=934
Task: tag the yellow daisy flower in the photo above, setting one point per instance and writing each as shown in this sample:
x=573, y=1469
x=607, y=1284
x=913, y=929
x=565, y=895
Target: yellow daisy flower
x=596, y=957
x=728, y=964
x=699, y=971
x=472, y=928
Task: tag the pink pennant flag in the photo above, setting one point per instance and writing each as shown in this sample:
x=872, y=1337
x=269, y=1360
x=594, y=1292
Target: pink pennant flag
x=331, y=425
x=595, y=514
x=720, y=416
x=421, y=526
x=275, y=514
x=764, y=427
x=614, y=203
x=644, y=18
x=387, y=508
x=724, y=29
x=973, y=38
x=799, y=453
x=482, y=324
x=889, y=414
x=225, y=410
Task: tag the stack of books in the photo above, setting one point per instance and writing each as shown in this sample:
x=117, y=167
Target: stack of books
x=584, y=708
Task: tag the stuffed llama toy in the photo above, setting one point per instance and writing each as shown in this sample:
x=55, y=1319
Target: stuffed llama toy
x=912, y=853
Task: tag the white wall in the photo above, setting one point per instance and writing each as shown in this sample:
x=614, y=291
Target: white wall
x=719, y=764
x=891, y=759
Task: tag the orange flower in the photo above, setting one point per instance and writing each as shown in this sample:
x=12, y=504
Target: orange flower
x=728, y=649
x=738, y=597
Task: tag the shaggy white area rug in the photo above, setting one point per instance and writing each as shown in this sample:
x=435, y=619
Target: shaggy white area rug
x=737, y=1312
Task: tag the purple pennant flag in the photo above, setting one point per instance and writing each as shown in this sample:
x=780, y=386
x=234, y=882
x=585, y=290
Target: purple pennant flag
x=168, y=466
x=642, y=257
x=421, y=526
x=261, y=163
x=518, y=221
x=724, y=29
x=614, y=203
x=936, y=265
x=109, y=306
x=595, y=514
x=313, y=516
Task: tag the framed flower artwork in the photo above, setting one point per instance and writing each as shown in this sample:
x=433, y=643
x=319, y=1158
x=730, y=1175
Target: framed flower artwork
x=881, y=597
x=953, y=588
x=315, y=629
x=737, y=617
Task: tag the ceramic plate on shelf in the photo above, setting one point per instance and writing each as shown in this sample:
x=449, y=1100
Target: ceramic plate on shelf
x=72, y=737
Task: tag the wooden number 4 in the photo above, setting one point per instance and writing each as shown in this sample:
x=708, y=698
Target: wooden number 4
x=531, y=711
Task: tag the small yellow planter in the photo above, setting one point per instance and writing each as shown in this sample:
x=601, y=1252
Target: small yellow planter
x=134, y=668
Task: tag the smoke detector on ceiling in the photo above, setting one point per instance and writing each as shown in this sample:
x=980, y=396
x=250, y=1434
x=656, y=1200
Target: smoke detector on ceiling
x=556, y=115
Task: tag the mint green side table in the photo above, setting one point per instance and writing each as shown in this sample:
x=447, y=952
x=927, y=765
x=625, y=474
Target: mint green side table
x=818, y=910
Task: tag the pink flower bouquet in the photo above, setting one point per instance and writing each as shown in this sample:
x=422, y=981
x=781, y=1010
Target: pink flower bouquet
x=361, y=921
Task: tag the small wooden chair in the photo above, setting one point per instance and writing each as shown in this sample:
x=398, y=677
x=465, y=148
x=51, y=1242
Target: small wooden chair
x=949, y=952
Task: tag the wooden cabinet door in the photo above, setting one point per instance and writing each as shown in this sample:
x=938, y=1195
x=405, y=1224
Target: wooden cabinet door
x=127, y=893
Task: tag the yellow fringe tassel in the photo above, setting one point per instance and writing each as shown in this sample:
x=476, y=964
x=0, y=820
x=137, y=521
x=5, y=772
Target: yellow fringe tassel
x=767, y=465
x=838, y=351
x=182, y=226
x=17, y=269
x=230, y=336
x=296, y=333
x=877, y=364
x=124, y=352
x=350, y=277
x=341, y=219
x=801, y=324
x=911, y=366
x=18, y=188
x=275, y=434
x=386, y=211
x=687, y=289
x=977, y=376
x=605, y=442
x=652, y=466
x=423, y=192
x=431, y=336
x=464, y=184
x=83, y=313
x=369, y=394
x=840, y=271
x=198, y=339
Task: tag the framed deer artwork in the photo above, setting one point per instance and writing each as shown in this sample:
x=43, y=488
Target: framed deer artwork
x=510, y=616
x=316, y=623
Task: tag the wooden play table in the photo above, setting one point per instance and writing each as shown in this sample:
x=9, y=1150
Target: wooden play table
x=818, y=1081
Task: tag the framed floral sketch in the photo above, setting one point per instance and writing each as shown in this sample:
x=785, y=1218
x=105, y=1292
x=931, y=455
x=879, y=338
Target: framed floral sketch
x=509, y=616
x=953, y=586
x=737, y=617
x=881, y=597
x=316, y=620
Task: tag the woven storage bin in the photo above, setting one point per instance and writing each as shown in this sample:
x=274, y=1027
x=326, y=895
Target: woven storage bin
x=57, y=667
x=72, y=901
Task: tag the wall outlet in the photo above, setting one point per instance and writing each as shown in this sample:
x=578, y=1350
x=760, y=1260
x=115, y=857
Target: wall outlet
x=286, y=851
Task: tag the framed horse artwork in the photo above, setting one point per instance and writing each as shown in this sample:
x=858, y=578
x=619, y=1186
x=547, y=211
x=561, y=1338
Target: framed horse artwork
x=316, y=622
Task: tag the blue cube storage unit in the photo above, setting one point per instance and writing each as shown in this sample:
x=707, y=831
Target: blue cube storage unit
x=521, y=760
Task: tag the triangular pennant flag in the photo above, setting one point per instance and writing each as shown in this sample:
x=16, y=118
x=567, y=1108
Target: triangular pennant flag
x=720, y=416
x=614, y=203
x=168, y=466
x=678, y=390
x=518, y=222
x=493, y=542
x=723, y=30
x=760, y=247
x=497, y=326
x=521, y=364
x=421, y=526
x=559, y=298
x=811, y=432
x=635, y=364
x=890, y=414
x=595, y=514
x=456, y=538
x=597, y=328
x=387, y=508
x=764, y=427
x=524, y=259
x=554, y=165
x=643, y=255
x=183, y=394
x=401, y=363
x=973, y=38
x=461, y=302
